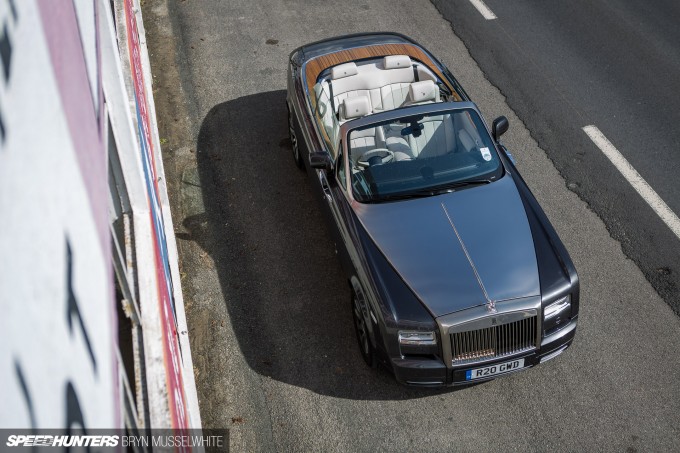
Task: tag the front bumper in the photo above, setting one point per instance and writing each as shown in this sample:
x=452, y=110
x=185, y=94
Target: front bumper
x=432, y=372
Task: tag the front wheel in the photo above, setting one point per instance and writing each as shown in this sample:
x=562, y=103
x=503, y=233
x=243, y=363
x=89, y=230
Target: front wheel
x=361, y=328
x=293, y=140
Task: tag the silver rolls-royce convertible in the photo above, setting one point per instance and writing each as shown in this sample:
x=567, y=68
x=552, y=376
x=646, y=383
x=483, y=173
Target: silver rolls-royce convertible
x=457, y=276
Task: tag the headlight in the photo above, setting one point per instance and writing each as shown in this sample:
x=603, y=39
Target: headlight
x=417, y=338
x=417, y=343
x=557, y=313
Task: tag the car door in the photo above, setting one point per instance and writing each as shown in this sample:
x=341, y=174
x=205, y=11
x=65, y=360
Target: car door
x=334, y=199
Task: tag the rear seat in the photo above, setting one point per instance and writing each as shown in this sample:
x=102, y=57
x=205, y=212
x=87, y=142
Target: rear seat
x=375, y=87
x=437, y=137
x=386, y=83
x=399, y=74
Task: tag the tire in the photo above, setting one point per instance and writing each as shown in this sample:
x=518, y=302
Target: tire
x=297, y=157
x=361, y=329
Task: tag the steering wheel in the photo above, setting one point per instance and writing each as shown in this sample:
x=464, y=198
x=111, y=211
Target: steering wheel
x=384, y=155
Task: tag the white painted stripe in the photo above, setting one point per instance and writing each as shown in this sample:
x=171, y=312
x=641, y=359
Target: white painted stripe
x=635, y=180
x=483, y=9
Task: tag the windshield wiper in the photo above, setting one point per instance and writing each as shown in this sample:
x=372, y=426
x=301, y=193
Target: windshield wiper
x=428, y=191
x=402, y=196
x=443, y=188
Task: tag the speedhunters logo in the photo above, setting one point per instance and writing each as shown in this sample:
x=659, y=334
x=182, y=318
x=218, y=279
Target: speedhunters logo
x=62, y=441
x=118, y=440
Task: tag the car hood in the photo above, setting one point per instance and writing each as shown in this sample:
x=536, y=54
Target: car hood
x=458, y=250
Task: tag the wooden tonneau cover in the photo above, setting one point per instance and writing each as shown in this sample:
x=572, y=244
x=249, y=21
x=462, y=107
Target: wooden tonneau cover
x=317, y=65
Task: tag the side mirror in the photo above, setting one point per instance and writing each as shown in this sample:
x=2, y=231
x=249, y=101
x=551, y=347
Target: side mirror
x=500, y=127
x=321, y=161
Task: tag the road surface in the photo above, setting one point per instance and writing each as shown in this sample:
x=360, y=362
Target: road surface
x=614, y=64
x=271, y=331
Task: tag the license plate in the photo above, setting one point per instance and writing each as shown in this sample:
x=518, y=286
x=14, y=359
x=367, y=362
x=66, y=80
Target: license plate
x=492, y=370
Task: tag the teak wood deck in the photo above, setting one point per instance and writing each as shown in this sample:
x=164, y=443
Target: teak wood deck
x=316, y=65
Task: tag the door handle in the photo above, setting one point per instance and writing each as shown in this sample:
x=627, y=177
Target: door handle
x=324, y=186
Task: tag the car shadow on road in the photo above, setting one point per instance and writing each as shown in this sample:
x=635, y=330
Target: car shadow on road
x=287, y=297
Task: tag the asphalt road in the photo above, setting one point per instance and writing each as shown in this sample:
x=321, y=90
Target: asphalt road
x=271, y=332
x=614, y=64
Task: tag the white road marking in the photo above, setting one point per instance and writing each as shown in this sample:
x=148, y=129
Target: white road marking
x=639, y=184
x=483, y=9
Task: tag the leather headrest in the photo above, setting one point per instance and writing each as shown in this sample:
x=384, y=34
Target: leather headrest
x=396, y=62
x=356, y=107
x=422, y=91
x=344, y=70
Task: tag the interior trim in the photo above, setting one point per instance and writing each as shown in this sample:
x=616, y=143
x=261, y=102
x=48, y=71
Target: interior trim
x=317, y=65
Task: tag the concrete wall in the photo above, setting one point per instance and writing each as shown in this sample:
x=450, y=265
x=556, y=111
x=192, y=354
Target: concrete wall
x=92, y=312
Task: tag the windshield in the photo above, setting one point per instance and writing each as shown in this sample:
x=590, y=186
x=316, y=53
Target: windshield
x=422, y=155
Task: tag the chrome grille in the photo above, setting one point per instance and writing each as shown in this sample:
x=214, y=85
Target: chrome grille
x=494, y=342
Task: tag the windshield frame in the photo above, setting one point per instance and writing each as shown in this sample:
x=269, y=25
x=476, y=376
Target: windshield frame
x=376, y=119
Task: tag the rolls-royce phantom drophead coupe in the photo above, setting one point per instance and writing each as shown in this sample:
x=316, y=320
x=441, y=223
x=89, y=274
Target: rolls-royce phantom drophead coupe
x=457, y=276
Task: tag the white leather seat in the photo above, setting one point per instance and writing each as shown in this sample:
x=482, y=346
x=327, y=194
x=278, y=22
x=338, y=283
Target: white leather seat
x=398, y=76
x=386, y=82
x=346, y=82
x=328, y=118
x=436, y=138
x=422, y=92
x=468, y=136
x=376, y=86
x=445, y=134
x=465, y=141
x=354, y=107
x=364, y=140
x=344, y=70
x=400, y=147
